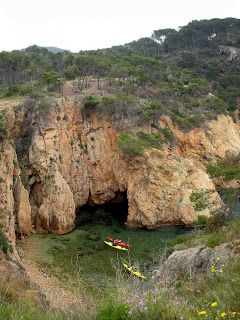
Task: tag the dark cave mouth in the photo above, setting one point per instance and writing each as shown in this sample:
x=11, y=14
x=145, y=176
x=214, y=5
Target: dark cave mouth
x=115, y=209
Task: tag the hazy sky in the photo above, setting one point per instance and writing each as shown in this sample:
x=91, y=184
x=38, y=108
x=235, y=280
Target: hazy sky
x=91, y=24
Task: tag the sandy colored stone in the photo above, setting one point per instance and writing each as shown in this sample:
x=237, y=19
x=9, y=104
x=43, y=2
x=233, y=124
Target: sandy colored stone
x=57, y=211
x=74, y=160
x=22, y=209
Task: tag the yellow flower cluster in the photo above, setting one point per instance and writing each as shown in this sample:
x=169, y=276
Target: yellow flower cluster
x=202, y=312
x=214, y=304
x=217, y=270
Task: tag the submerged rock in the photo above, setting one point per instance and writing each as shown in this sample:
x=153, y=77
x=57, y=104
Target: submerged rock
x=99, y=246
x=93, y=236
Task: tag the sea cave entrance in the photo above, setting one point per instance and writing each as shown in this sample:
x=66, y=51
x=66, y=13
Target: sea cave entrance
x=105, y=214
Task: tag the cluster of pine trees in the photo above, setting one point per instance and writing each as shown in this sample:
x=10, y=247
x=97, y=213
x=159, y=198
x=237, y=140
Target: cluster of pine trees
x=182, y=70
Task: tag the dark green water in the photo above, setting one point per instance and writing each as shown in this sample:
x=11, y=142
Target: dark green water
x=64, y=255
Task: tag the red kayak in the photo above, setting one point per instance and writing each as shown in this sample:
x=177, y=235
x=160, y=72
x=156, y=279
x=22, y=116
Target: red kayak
x=120, y=243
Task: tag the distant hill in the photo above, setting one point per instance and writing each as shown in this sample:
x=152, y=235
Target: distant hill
x=56, y=50
x=38, y=49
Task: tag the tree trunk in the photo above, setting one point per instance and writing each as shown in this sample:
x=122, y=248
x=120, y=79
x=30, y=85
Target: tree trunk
x=82, y=84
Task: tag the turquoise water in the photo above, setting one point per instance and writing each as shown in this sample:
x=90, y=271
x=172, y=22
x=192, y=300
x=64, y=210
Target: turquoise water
x=82, y=256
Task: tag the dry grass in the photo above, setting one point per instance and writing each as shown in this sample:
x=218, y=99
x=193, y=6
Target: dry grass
x=10, y=102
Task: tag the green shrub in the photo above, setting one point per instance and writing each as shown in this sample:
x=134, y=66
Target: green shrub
x=13, y=90
x=89, y=104
x=200, y=200
x=26, y=89
x=201, y=220
x=221, y=169
x=171, y=242
x=167, y=133
x=3, y=129
x=215, y=222
x=3, y=242
x=113, y=310
x=130, y=145
x=213, y=242
x=153, y=140
x=180, y=239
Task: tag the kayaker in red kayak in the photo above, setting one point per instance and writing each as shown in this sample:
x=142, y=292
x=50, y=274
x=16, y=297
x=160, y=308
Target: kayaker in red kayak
x=116, y=242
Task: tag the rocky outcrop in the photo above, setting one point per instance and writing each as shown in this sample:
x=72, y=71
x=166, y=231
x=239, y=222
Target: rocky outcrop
x=14, y=202
x=162, y=196
x=230, y=58
x=231, y=53
x=57, y=210
x=22, y=209
x=200, y=259
x=71, y=160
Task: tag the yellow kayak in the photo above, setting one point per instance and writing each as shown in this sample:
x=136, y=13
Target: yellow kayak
x=136, y=273
x=116, y=247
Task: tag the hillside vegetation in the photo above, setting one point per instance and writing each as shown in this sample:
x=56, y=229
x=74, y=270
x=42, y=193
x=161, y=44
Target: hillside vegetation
x=191, y=74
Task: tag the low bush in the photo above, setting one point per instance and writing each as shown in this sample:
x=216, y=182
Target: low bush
x=130, y=145
x=3, y=243
x=113, y=310
x=213, y=242
x=215, y=222
x=89, y=104
x=3, y=129
x=201, y=220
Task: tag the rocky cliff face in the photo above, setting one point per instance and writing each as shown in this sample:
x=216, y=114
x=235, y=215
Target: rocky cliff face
x=14, y=202
x=70, y=160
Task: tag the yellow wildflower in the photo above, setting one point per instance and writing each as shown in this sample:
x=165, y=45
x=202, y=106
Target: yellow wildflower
x=202, y=312
x=214, y=304
x=217, y=259
x=234, y=312
x=213, y=270
x=222, y=265
x=223, y=314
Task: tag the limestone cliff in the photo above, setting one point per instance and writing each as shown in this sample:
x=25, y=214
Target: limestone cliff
x=14, y=202
x=70, y=160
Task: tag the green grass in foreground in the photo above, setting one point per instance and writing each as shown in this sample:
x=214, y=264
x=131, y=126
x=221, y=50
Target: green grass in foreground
x=214, y=296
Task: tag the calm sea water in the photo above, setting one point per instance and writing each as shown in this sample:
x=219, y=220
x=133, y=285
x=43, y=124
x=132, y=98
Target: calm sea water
x=83, y=256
